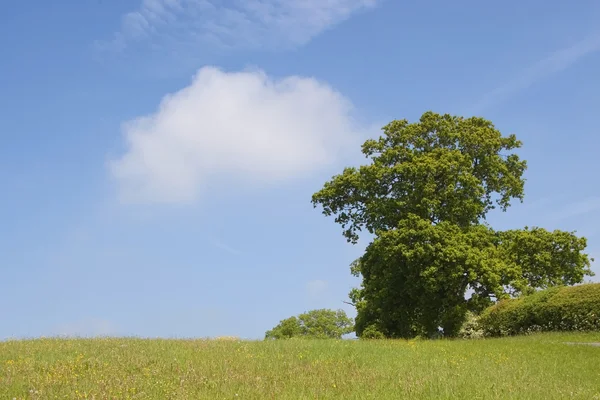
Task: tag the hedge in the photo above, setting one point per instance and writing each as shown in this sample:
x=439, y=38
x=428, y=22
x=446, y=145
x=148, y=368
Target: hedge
x=564, y=308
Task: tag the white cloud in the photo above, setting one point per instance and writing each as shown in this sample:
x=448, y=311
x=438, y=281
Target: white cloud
x=544, y=68
x=316, y=288
x=241, y=125
x=87, y=327
x=232, y=24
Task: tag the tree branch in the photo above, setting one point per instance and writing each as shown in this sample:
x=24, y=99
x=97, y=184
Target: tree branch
x=351, y=304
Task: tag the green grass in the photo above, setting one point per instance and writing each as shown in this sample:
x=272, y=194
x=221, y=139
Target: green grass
x=533, y=367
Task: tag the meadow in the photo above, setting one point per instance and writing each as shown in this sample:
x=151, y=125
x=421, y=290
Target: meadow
x=540, y=366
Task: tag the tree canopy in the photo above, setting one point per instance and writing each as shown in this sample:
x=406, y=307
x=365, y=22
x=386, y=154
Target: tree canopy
x=443, y=168
x=317, y=324
x=425, y=196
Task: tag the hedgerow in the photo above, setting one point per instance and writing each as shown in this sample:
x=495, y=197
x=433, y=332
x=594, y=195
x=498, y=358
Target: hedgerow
x=563, y=308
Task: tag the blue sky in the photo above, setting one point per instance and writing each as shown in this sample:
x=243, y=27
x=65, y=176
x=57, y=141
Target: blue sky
x=158, y=156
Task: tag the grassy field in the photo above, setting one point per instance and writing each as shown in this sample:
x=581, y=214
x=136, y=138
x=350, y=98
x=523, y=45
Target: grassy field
x=533, y=367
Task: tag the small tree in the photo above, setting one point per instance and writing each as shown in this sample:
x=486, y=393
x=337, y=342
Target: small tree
x=317, y=324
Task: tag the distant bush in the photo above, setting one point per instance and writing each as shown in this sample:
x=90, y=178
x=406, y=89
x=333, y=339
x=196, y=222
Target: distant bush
x=565, y=308
x=315, y=324
x=471, y=328
x=372, y=332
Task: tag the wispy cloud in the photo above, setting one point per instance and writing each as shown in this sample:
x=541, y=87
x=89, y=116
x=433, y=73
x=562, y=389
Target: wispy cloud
x=554, y=63
x=220, y=245
x=577, y=208
x=265, y=24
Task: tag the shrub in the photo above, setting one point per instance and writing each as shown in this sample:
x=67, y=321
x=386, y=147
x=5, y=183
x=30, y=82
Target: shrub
x=563, y=308
x=372, y=332
x=471, y=328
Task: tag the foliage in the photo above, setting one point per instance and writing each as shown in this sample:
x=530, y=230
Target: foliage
x=545, y=258
x=425, y=196
x=372, y=332
x=526, y=367
x=442, y=168
x=433, y=265
x=286, y=329
x=574, y=308
x=318, y=324
x=415, y=277
x=471, y=328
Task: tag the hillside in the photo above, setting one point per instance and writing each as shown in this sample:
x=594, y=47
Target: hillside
x=534, y=367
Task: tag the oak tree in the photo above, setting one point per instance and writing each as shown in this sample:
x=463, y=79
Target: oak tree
x=425, y=195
